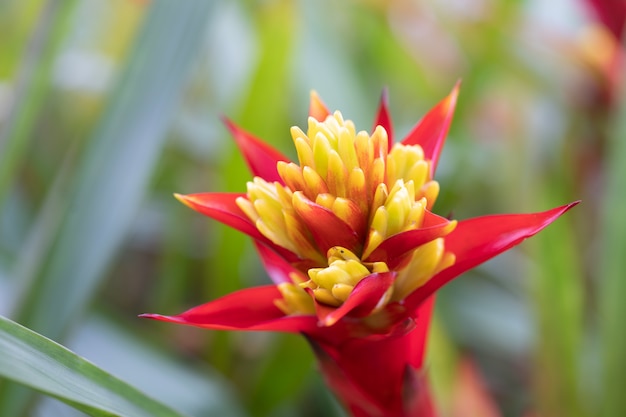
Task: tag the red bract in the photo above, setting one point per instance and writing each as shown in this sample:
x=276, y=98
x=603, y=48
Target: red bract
x=354, y=251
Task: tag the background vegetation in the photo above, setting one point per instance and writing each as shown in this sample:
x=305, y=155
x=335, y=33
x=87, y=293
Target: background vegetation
x=108, y=107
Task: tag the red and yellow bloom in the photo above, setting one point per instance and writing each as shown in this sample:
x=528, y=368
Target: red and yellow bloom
x=348, y=237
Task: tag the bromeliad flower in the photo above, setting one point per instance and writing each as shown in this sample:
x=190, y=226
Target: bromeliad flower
x=355, y=253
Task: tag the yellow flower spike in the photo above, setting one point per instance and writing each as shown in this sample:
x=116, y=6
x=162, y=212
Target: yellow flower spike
x=325, y=200
x=364, y=151
x=271, y=217
x=321, y=149
x=284, y=197
x=377, y=173
x=277, y=238
x=430, y=191
x=356, y=189
x=341, y=291
x=418, y=173
x=407, y=162
x=304, y=150
x=415, y=217
x=379, y=267
x=381, y=142
x=327, y=277
x=248, y=208
x=299, y=235
x=348, y=211
x=295, y=300
x=314, y=183
x=374, y=238
x=397, y=206
x=346, y=149
x=379, y=222
x=344, y=271
x=291, y=175
x=337, y=175
x=326, y=296
x=355, y=269
x=447, y=260
x=338, y=253
x=380, y=196
x=422, y=266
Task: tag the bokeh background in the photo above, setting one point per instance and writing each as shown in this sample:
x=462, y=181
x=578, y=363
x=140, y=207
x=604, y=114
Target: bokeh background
x=107, y=107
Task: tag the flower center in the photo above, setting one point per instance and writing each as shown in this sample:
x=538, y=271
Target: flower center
x=332, y=285
x=372, y=191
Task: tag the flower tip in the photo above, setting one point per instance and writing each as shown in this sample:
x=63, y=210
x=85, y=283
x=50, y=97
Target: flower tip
x=450, y=101
x=185, y=199
x=317, y=108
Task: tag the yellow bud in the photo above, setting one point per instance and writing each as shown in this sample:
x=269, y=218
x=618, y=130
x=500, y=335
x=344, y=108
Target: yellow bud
x=374, y=238
x=430, y=190
x=325, y=200
x=364, y=151
x=341, y=291
x=303, y=149
x=346, y=150
x=321, y=149
x=338, y=253
x=418, y=173
x=291, y=175
x=314, y=183
x=336, y=177
x=327, y=277
x=379, y=267
x=422, y=266
x=380, y=221
x=356, y=189
x=355, y=269
x=326, y=296
x=248, y=208
x=295, y=300
x=349, y=212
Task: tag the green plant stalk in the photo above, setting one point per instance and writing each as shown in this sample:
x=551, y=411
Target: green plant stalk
x=275, y=26
x=612, y=268
x=559, y=296
x=32, y=86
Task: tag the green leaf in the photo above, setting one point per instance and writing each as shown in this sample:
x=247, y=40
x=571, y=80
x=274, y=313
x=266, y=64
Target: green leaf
x=113, y=172
x=35, y=361
x=612, y=264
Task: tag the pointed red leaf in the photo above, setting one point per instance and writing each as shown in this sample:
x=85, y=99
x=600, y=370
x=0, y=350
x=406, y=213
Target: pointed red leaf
x=383, y=117
x=327, y=229
x=223, y=208
x=248, y=309
x=430, y=133
x=477, y=240
x=317, y=108
x=393, y=249
x=260, y=156
x=362, y=300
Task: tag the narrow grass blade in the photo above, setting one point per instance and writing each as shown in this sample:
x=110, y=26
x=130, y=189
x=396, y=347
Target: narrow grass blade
x=37, y=362
x=612, y=267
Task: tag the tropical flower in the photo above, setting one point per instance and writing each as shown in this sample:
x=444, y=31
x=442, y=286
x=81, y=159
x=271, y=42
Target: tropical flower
x=354, y=251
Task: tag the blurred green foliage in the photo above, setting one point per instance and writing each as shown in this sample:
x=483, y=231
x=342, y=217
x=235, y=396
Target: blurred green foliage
x=108, y=107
